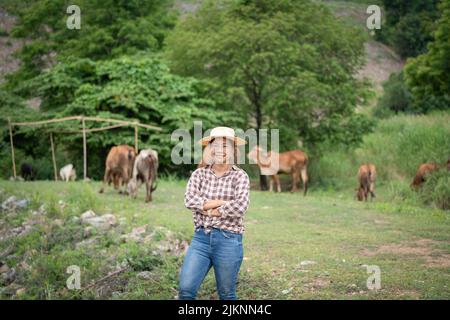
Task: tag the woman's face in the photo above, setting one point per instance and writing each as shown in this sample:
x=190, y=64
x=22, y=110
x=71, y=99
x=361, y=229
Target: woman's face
x=222, y=150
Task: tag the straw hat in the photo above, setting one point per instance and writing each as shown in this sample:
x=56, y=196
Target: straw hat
x=222, y=132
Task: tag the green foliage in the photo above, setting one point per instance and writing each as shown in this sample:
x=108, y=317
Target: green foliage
x=108, y=29
x=436, y=189
x=137, y=88
x=288, y=64
x=141, y=259
x=409, y=25
x=397, y=146
x=396, y=97
x=12, y=105
x=428, y=75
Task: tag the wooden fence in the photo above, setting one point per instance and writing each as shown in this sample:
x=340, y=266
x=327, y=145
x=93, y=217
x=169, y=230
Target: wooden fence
x=84, y=131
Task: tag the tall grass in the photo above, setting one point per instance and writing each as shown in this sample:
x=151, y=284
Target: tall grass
x=397, y=146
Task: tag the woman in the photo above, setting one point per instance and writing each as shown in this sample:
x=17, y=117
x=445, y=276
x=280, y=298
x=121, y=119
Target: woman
x=218, y=196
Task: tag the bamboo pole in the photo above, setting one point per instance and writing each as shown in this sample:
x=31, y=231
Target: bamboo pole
x=128, y=123
x=124, y=122
x=55, y=170
x=33, y=123
x=12, y=148
x=84, y=149
x=89, y=130
x=105, y=128
x=136, y=149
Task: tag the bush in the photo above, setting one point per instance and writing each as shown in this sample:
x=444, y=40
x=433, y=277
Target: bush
x=408, y=25
x=436, y=189
x=396, y=97
x=397, y=146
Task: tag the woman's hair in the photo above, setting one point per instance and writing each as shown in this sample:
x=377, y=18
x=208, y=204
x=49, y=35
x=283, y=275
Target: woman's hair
x=208, y=150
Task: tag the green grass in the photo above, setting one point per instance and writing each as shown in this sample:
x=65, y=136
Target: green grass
x=330, y=228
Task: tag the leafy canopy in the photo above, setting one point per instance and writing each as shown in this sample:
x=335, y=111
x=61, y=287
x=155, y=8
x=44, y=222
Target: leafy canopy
x=428, y=75
x=283, y=64
x=129, y=88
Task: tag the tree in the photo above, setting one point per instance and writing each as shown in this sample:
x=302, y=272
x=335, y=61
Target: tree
x=137, y=88
x=289, y=64
x=109, y=29
x=396, y=97
x=428, y=75
x=409, y=25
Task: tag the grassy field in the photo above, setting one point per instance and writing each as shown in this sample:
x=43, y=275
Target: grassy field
x=409, y=243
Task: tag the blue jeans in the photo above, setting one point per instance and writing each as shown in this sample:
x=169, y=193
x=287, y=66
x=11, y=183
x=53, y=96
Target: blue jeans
x=219, y=249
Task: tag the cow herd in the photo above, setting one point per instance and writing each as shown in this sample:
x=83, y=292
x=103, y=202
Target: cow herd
x=128, y=171
x=295, y=163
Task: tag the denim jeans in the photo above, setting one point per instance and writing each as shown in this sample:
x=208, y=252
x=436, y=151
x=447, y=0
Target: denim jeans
x=219, y=249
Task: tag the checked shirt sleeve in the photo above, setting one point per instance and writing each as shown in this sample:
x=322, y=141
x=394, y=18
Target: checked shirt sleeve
x=238, y=206
x=192, y=198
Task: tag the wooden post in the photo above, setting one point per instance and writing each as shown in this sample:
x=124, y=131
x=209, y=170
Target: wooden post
x=136, y=139
x=12, y=148
x=55, y=170
x=84, y=149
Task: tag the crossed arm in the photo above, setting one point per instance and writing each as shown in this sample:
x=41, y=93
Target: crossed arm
x=235, y=207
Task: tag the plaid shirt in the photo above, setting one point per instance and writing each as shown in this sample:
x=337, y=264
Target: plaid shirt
x=232, y=187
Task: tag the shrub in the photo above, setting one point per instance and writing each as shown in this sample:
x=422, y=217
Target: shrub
x=436, y=189
x=396, y=97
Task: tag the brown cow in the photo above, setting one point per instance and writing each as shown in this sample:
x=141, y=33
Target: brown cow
x=294, y=162
x=145, y=170
x=426, y=169
x=119, y=166
x=366, y=178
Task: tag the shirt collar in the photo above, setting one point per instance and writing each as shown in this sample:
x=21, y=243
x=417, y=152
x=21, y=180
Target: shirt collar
x=233, y=167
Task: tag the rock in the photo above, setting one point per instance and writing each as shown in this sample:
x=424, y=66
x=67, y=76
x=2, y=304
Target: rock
x=139, y=230
x=9, y=276
x=145, y=275
x=62, y=205
x=12, y=203
x=3, y=268
x=58, y=222
x=24, y=265
x=8, y=204
x=87, y=215
x=20, y=292
x=87, y=232
x=29, y=222
x=287, y=290
x=12, y=215
x=40, y=211
x=103, y=222
x=86, y=243
x=22, y=203
x=135, y=235
x=174, y=246
x=75, y=219
x=307, y=263
x=21, y=231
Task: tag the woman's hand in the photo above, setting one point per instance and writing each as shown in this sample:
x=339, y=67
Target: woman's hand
x=212, y=212
x=212, y=204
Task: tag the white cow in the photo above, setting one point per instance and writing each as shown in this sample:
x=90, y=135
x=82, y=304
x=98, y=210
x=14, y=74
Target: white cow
x=68, y=173
x=145, y=170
